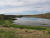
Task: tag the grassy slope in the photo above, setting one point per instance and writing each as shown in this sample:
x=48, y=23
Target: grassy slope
x=22, y=33
x=47, y=15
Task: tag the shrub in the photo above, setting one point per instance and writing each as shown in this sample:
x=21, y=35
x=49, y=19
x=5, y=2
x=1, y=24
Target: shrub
x=6, y=23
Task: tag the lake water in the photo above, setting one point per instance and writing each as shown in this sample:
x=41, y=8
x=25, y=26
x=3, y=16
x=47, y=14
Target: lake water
x=32, y=21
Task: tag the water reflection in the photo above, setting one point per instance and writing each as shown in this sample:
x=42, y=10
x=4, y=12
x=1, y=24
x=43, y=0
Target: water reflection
x=32, y=21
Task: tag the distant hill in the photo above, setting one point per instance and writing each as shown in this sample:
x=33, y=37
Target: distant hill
x=46, y=15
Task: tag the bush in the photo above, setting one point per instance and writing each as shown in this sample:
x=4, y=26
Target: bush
x=7, y=23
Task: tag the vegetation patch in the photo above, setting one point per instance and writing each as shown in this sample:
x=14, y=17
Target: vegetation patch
x=44, y=24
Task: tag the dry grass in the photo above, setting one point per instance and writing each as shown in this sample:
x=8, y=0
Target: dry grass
x=26, y=33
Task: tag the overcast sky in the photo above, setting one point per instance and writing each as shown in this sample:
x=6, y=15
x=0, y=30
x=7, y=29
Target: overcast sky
x=24, y=6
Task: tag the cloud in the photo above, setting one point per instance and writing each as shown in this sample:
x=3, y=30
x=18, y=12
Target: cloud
x=16, y=10
x=18, y=6
x=10, y=3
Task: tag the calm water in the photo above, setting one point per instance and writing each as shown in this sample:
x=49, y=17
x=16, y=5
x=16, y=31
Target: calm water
x=32, y=21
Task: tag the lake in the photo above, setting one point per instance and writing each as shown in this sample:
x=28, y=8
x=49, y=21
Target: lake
x=32, y=21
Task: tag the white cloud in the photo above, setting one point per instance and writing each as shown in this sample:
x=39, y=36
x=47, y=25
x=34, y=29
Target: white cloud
x=10, y=2
x=17, y=10
x=24, y=5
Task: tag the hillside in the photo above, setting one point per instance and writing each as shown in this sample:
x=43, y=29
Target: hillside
x=46, y=15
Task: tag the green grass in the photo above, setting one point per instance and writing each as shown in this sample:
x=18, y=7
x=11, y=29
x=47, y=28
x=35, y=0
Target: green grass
x=8, y=34
x=22, y=33
x=44, y=24
x=28, y=27
x=5, y=23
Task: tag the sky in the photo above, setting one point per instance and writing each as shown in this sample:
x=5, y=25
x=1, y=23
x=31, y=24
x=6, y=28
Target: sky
x=24, y=7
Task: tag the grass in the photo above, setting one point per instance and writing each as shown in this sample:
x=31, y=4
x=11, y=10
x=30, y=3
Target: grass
x=31, y=27
x=28, y=27
x=22, y=33
x=44, y=24
x=7, y=34
x=9, y=30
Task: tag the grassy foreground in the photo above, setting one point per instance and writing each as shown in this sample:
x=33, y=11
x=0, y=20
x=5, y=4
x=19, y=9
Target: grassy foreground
x=22, y=33
x=9, y=30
